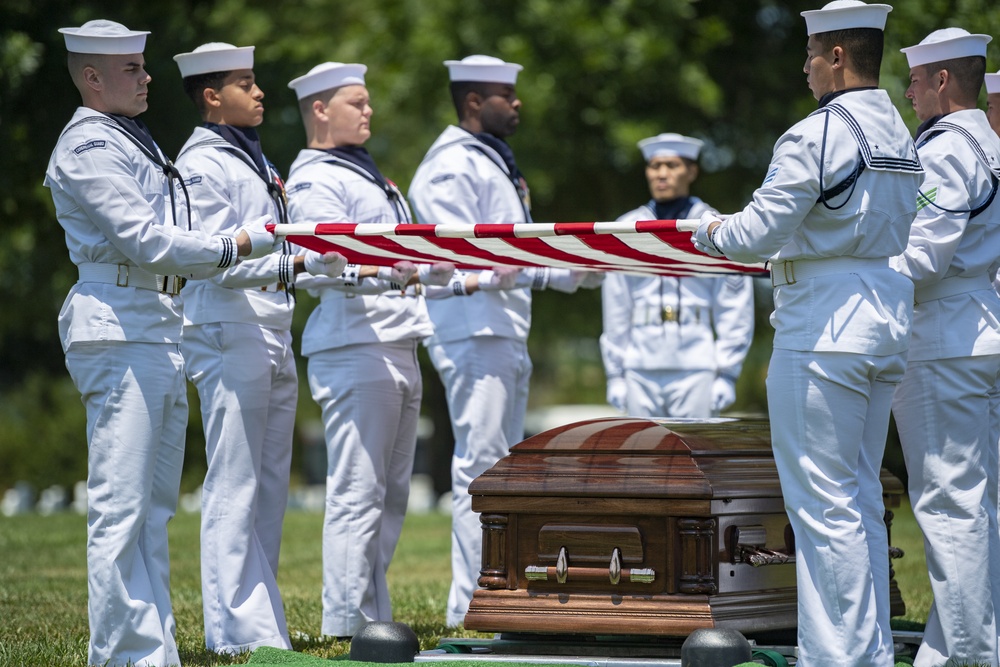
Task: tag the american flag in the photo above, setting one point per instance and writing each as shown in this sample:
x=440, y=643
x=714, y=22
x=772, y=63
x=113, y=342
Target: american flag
x=660, y=247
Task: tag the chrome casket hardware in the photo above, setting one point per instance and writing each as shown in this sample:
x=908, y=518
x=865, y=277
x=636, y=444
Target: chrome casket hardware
x=748, y=546
x=563, y=572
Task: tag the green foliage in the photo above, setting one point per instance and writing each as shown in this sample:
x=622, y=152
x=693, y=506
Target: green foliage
x=599, y=75
x=43, y=440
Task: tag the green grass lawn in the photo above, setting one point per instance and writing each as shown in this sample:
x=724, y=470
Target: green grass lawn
x=43, y=585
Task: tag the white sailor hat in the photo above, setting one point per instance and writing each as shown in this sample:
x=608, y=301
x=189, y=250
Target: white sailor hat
x=946, y=44
x=328, y=76
x=482, y=68
x=845, y=15
x=664, y=145
x=992, y=83
x=105, y=38
x=214, y=57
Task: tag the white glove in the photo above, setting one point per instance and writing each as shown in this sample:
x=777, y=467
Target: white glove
x=723, y=393
x=398, y=274
x=262, y=242
x=330, y=264
x=701, y=239
x=592, y=279
x=438, y=273
x=544, y=277
x=498, y=278
x=456, y=287
x=533, y=277
x=617, y=393
x=566, y=280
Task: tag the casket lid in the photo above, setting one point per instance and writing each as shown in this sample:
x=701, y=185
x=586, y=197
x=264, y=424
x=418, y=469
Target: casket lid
x=694, y=437
x=635, y=457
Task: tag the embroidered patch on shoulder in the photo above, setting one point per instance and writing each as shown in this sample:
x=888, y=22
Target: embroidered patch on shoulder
x=194, y=180
x=926, y=198
x=90, y=145
x=770, y=175
x=297, y=187
x=442, y=178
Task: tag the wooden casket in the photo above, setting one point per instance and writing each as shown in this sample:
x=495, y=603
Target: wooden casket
x=628, y=526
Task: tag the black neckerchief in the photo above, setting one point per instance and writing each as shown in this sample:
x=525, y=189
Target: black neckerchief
x=829, y=97
x=138, y=129
x=246, y=139
x=140, y=134
x=671, y=209
x=504, y=150
x=358, y=156
x=928, y=124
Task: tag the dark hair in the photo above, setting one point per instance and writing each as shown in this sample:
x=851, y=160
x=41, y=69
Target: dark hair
x=461, y=89
x=968, y=73
x=195, y=85
x=863, y=45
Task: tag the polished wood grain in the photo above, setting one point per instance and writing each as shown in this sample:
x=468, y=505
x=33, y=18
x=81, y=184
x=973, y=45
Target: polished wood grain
x=628, y=526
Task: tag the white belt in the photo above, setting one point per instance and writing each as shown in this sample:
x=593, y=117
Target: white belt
x=791, y=272
x=650, y=316
x=952, y=286
x=125, y=275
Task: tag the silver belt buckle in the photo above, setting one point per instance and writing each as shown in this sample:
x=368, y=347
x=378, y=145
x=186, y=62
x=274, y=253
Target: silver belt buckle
x=172, y=285
x=788, y=270
x=178, y=285
x=122, y=280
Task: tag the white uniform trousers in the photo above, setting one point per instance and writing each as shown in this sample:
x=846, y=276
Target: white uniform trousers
x=942, y=410
x=993, y=489
x=136, y=401
x=246, y=380
x=829, y=419
x=370, y=399
x=486, y=384
x=673, y=393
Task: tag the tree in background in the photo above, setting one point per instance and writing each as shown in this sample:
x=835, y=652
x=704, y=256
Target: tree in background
x=599, y=75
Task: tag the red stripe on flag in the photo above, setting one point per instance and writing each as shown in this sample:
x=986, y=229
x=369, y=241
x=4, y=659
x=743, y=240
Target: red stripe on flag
x=386, y=248
x=573, y=228
x=494, y=231
x=612, y=245
x=540, y=247
x=336, y=228
x=415, y=230
x=654, y=226
x=322, y=245
x=390, y=245
x=466, y=248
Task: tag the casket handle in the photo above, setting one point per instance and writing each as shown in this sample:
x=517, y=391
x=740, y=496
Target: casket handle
x=760, y=556
x=563, y=572
x=750, y=547
x=562, y=566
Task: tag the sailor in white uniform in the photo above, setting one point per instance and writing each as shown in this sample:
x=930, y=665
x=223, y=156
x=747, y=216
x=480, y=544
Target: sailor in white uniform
x=361, y=341
x=837, y=202
x=993, y=115
x=479, y=346
x=993, y=100
x=238, y=352
x=674, y=347
x=120, y=327
x=942, y=405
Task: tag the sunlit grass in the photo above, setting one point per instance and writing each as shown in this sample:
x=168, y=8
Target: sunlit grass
x=43, y=585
